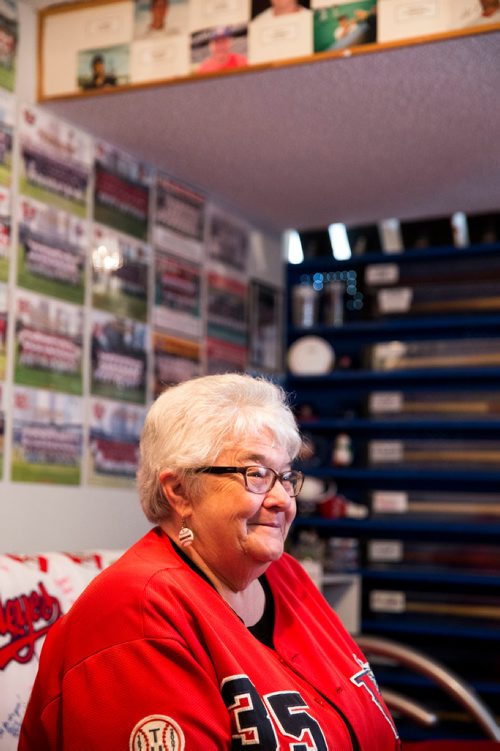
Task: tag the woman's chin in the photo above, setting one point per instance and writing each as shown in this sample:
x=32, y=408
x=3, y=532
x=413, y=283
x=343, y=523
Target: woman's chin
x=266, y=552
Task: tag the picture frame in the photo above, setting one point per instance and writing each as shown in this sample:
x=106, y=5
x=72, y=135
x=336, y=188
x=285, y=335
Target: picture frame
x=265, y=328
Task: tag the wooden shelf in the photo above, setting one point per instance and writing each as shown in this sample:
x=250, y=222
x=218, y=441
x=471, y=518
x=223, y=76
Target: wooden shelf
x=326, y=138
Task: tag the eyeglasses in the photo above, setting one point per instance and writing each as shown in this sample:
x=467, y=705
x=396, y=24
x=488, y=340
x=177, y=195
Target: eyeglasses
x=261, y=479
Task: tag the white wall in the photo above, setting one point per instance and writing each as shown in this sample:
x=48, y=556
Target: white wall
x=36, y=517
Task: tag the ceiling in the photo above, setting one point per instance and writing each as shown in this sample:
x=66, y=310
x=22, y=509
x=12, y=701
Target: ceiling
x=408, y=132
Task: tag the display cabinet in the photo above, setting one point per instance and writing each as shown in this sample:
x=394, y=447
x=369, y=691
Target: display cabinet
x=394, y=373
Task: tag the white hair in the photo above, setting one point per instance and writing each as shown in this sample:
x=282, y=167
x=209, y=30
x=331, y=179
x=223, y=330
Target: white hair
x=191, y=423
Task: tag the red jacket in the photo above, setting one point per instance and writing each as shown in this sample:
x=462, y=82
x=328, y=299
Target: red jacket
x=151, y=658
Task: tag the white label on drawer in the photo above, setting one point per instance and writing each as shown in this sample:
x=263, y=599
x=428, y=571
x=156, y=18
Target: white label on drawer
x=385, y=601
x=385, y=401
x=394, y=300
x=385, y=451
x=387, y=355
x=390, y=235
x=382, y=273
x=390, y=501
x=385, y=550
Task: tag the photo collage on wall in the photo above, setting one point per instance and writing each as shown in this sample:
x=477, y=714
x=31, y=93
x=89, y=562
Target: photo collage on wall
x=178, y=305
x=49, y=252
x=9, y=38
x=2, y=415
x=7, y=118
x=9, y=35
x=228, y=249
x=120, y=260
x=116, y=281
x=145, y=40
x=3, y=329
x=136, y=41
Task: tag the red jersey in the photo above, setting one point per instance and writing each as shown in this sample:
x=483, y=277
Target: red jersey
x=152, y=658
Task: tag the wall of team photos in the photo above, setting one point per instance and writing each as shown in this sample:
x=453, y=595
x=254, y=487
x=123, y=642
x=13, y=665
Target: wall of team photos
x=131, y=42
x=115, y=281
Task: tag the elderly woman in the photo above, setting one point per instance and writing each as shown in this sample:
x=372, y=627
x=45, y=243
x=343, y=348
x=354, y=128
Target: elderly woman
x=204, y=635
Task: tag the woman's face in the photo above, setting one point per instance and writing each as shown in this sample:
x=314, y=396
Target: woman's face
x=238, y=533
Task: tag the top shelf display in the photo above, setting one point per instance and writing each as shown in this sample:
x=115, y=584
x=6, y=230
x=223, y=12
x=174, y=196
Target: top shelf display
x=378, y=287
x=431, y=309
x=104, y=46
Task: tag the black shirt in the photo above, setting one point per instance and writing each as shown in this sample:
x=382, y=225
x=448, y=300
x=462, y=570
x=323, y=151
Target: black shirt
x=264, y=628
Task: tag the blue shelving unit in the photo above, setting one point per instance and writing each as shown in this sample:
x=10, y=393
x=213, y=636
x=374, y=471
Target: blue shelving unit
x=337, y=401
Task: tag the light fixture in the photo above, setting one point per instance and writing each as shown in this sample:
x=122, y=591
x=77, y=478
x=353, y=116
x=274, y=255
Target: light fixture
x=293, y=246
x=339, y=241
x=107, y=256
x=460, y=230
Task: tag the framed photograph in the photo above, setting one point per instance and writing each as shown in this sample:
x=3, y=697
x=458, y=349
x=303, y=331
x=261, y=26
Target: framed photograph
x=121, y=191
x=51, y=251
x=227, y=299
x=9, y=36
x=119, y=358
x=176, y=359
x=265, y=327
x=113, y=446
x=279, y=30
x=123, y=290
x=85, y=46
x=55, y=163
x=156, y=18
x=228, y=243
x=49, y=343
x=47, y=437
x=339, y=26
x=219, y=48
x=177, y=304
x=4, y=314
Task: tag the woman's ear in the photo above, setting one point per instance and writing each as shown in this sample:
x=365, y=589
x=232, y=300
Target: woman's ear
x=174, y=491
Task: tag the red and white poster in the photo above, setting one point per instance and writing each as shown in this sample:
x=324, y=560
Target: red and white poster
x=178, y=290
x=118, y=358
x=56, y=160
x=47, y=437
x=121, y=191
x=228, y=242
x=4, y=316
x=49, y=341
x=176, y=359
x=120, y=274
x=113, y=450
x=227, y=325
x=52, y=248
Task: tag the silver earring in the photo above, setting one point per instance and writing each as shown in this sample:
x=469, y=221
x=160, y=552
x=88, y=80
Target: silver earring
x=186, y=535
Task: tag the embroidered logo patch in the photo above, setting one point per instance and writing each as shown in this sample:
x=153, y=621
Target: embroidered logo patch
x=157, y=733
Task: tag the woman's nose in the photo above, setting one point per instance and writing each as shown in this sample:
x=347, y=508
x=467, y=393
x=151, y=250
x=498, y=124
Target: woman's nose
x=278, y=496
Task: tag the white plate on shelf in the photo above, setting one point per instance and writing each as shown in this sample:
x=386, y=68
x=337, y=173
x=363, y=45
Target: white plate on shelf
x=311, y=355
x=313, y=489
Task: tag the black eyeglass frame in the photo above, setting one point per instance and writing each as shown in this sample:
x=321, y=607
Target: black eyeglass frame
x=281, y=476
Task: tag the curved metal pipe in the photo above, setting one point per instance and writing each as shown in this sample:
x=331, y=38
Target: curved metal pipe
x=409, y=707
x=451, y=683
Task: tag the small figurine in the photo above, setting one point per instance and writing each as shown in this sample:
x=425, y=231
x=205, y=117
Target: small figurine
x=342, y=451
